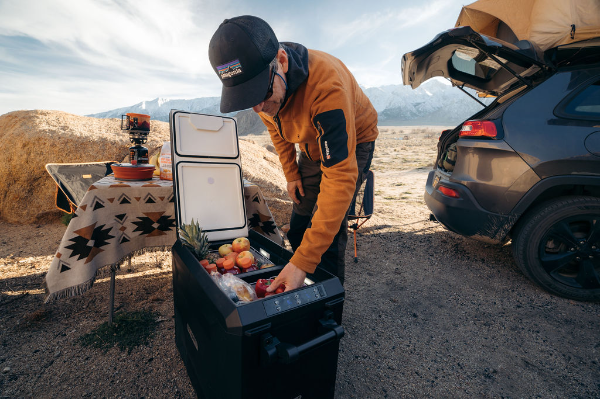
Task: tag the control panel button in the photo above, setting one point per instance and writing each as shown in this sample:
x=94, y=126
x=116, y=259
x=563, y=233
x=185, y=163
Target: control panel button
x=293, y=300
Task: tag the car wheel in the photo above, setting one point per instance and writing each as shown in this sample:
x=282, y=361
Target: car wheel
x=557, y=245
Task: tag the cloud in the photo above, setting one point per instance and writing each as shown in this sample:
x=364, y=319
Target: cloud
x=147, y=35
x=382, y=26
x=86, y=56
x=106, y=49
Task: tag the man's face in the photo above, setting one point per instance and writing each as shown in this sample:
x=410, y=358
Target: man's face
x=272, y=105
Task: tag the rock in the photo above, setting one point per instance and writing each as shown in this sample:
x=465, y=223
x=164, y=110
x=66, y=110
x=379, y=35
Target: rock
x=6, y=370
x=271, y=148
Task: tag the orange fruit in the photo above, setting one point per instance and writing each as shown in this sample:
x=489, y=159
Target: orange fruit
x=228, y=264
x=211, y=268
x=244, y=263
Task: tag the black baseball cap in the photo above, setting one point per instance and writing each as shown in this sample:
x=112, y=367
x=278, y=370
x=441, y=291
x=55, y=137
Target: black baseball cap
x=240, y=53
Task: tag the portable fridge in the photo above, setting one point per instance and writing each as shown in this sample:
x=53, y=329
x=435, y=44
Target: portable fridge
x=282, y=346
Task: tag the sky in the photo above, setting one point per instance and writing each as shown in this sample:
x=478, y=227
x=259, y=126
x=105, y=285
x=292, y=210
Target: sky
x=90, y=56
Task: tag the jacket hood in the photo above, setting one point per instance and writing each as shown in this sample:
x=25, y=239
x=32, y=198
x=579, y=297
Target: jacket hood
x=298, y=66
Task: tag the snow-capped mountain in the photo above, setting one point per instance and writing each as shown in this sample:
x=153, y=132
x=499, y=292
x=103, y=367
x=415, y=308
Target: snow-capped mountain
x=159, y=108
x=433, y=103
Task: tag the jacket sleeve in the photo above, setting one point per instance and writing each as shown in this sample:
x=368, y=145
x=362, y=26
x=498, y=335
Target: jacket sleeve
x=334, y=122
x=285, y=150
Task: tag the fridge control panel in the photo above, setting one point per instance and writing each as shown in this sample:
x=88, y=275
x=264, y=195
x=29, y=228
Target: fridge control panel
x=282, y=302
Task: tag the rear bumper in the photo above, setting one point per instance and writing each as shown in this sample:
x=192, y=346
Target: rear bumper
x=464, y=215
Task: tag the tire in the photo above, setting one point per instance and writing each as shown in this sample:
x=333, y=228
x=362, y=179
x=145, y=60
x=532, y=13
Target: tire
x=557, y=245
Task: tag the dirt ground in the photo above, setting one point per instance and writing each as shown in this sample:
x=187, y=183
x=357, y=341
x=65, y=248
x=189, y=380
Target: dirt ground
x=428, y=313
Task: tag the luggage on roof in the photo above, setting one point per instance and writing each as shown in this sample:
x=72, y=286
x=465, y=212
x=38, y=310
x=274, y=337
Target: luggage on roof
x=547, y=23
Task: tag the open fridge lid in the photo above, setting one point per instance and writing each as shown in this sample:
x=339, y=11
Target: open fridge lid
x=207, y=174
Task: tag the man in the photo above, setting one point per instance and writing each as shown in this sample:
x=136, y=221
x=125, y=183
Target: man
x=309, y=98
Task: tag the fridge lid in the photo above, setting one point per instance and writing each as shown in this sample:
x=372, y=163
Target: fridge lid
x=207, y=174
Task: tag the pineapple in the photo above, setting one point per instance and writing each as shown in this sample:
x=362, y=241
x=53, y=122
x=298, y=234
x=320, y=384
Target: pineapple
x=193, y=237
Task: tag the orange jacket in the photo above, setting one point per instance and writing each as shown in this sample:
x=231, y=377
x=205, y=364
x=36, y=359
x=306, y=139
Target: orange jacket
x=327, y=114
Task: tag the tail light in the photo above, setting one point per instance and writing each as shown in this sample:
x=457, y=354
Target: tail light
x=448, y=192
x=478, y=129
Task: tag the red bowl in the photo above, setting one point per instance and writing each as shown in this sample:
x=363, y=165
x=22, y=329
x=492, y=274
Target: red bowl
x=127, y=171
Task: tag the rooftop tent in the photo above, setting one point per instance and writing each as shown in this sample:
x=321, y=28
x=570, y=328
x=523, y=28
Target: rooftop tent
x=498, y=18
x=547, y=23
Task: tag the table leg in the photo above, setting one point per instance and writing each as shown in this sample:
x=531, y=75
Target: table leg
x=111, y=300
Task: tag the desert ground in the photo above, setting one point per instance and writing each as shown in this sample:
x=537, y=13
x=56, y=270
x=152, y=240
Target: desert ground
x=427, y=313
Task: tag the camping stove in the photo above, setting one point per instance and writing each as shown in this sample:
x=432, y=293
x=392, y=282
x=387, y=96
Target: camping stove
x=138, y=126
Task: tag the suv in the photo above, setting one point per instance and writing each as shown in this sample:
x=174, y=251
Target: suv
x=527, y=166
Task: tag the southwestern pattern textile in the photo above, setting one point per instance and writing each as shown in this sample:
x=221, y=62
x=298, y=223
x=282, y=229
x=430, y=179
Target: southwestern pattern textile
x=118, y=219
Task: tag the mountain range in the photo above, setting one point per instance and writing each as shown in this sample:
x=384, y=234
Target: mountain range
x=434, y=103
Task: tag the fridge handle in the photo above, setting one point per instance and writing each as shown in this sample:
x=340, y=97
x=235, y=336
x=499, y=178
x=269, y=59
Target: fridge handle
x=288, y=353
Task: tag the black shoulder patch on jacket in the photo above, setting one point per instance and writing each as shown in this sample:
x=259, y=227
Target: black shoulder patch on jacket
x=333, y=137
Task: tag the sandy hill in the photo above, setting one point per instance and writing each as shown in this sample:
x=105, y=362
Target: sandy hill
x=31, y=139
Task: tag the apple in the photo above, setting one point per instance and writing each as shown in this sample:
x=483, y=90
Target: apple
x=241, y=244
x=225, y=249
x=243, y=255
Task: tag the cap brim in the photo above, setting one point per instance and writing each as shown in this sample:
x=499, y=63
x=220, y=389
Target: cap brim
x=245, y=95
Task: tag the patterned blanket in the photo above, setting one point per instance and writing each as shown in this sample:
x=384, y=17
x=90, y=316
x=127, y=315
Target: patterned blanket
x=119, y=219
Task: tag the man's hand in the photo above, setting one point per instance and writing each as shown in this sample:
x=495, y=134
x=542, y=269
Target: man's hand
x=291, y=276
x=292, y=186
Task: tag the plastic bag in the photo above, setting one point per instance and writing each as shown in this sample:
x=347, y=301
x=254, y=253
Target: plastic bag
x=166, y=172
x=217, y=277
x=229, y=283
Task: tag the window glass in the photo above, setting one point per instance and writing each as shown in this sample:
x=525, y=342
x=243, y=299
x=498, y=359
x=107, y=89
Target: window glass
x=470, y=61
x=586, y=103
x=463, y=62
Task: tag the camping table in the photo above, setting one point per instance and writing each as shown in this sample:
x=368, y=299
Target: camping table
x=118, y=219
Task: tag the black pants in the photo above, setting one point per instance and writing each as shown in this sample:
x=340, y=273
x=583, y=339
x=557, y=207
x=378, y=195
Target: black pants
x=333, y=260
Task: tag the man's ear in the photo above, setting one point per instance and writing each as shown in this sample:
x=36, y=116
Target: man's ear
x=283, y=59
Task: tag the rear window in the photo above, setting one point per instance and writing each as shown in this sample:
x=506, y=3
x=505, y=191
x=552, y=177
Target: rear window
x=586, y=103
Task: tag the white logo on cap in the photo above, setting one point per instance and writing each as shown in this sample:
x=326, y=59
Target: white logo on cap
x=229, y=69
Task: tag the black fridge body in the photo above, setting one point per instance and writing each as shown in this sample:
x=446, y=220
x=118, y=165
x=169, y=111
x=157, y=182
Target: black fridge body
x=282, y=346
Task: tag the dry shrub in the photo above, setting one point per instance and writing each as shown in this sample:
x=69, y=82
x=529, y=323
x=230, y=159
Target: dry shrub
x=31, y=319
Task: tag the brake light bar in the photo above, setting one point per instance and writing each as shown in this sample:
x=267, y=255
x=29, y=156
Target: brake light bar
x=478, y=129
